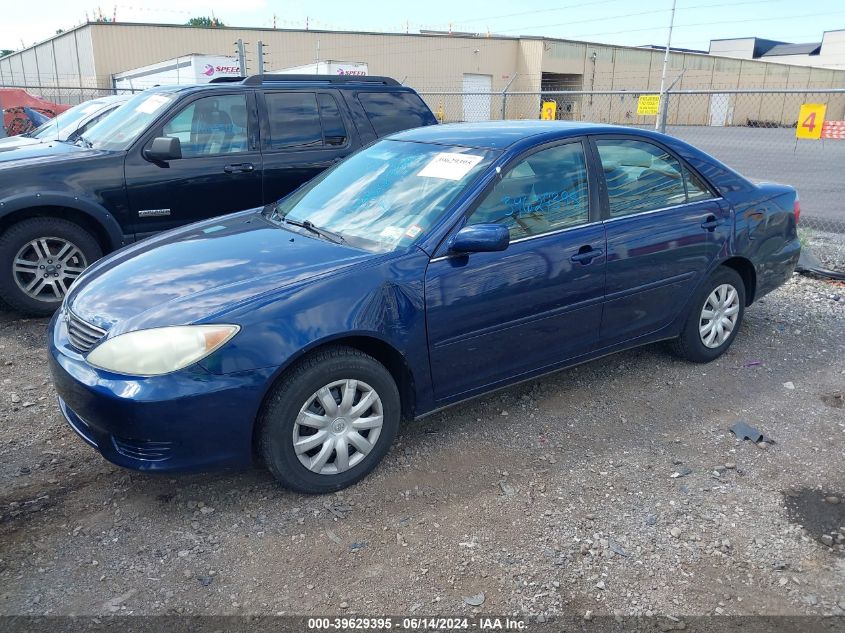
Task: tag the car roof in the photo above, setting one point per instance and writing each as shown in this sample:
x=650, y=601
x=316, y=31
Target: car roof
x=297, y=82
x=503, y=134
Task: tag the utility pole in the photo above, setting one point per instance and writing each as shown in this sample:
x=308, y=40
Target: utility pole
x=260, y=57
x=660, y=123
x=241, y=56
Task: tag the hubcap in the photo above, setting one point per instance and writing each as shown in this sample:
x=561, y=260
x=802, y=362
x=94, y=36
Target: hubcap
x=719, y=316
x=45, y=268
x=338, y=426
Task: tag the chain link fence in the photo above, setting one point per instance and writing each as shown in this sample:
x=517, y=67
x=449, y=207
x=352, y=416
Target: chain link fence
x=71, y=95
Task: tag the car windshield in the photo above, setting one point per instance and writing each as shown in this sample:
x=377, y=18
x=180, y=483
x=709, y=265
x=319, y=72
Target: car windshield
x=387, y=195
x=120, y=129
x=63, y=125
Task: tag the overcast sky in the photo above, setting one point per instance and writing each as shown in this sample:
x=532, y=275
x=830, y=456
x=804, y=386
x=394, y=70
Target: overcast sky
x=612, y=21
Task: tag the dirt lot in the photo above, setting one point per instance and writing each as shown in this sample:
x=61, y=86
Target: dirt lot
x=614, y=487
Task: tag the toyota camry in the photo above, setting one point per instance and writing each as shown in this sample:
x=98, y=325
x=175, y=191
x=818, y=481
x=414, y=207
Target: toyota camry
x=430, y=267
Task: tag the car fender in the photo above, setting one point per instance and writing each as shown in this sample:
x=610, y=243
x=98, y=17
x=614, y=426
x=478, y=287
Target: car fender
x=726, y=252
x=90, y=208
x=278, y=330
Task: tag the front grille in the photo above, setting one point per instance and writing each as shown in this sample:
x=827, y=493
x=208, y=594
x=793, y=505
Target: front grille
x=83, y=336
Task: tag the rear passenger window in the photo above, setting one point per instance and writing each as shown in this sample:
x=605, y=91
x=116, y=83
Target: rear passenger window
x=640, y=177
x=544, y=192
x=696, y=189
x=334, y=131
x=294, y=119
x=391, y=112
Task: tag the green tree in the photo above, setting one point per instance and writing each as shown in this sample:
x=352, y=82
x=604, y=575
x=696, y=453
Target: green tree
x=205, y=21
x=6, y=51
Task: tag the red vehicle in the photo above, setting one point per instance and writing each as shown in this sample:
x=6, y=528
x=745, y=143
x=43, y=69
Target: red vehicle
x=15, y=101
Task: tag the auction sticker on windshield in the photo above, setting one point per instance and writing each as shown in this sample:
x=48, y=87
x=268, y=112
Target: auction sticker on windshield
x=449, y=166
x=151, y=104
x=392, y=232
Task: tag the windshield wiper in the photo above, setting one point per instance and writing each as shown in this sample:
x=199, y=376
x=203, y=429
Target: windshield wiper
x=85, y=142
x=310, y=226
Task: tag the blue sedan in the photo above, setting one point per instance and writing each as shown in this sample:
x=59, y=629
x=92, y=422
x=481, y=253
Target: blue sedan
x=433, y=266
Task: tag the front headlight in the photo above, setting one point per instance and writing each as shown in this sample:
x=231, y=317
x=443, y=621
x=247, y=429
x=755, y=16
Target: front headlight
x=160, y=350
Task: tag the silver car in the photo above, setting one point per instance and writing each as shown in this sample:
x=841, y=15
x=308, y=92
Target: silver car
x=69, y=125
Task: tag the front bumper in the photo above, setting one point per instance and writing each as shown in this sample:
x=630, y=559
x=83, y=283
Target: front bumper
x=187, y=420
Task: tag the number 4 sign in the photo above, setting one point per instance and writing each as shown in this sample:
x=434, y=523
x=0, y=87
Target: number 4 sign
x=810, y=121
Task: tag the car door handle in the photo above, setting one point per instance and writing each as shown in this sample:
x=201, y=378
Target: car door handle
x=586, y=254
x=239, y=167
x=710, y=223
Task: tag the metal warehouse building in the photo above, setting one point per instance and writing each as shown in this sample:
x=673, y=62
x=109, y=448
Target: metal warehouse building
x=433, y=63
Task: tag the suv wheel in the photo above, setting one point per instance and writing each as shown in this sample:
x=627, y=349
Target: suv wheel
x=39, y=259
x=329, y=421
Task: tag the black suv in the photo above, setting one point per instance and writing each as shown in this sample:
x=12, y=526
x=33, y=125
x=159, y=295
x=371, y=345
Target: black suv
x=174, y=155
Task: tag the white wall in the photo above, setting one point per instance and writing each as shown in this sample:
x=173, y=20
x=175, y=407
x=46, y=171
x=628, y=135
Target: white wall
x=741, y=48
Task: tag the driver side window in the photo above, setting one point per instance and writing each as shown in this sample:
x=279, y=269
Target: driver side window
x=211, y=126
x=543, y=192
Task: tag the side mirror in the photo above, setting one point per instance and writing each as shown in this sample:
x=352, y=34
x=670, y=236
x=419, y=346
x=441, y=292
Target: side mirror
x=480, y=238
x=163, y=149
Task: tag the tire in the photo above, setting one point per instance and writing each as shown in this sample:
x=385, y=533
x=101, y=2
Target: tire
x=692, y=343
x=76, y=246
x=278, y=428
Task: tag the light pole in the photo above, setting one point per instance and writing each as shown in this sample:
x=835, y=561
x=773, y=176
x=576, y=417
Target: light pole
x=660, y=123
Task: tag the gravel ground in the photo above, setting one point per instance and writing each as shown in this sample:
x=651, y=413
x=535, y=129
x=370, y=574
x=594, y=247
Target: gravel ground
x=829, y=248
x=614, y=487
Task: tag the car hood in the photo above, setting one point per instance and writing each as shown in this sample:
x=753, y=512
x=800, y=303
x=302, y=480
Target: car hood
x=197, y=272
x=50, y=151
x=15, y=142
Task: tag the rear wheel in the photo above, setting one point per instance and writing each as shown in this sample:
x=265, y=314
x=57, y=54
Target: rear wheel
x=714, y=318
x=329, y=421
x=39, y=259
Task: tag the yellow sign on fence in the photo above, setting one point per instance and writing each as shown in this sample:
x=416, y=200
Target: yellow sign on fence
x=548, y=111
x=810, y=121
x=648, y=105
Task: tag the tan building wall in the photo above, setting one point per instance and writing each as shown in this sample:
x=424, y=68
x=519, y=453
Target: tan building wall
x=89, y=55
x=427, y=62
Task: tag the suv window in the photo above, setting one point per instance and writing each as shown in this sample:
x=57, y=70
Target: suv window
x=543, y=192
x=391, y=112
x=641, y=176
x=294, y=119
x=211, y=125
x=334, y=131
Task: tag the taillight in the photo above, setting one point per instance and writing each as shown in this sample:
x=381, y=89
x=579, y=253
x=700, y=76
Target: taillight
x=796, y=209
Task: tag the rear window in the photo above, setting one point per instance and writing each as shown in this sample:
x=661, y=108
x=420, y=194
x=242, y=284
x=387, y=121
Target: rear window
x=391, y=112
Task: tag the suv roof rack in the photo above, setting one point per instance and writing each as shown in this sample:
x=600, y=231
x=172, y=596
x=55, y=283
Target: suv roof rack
x=226, y=80
x=257, y=80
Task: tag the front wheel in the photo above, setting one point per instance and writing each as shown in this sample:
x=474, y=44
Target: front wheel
x=329, y=421
x=714, y=318
x=39, y=259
